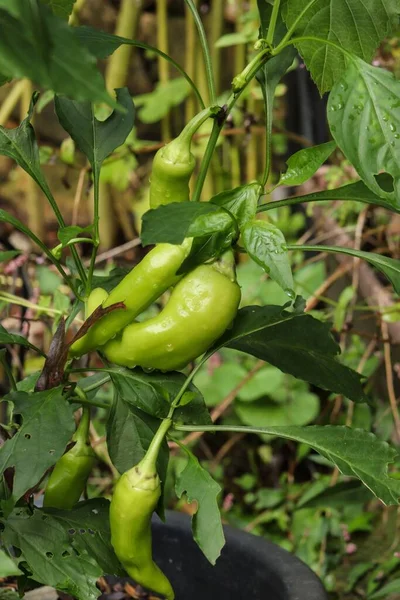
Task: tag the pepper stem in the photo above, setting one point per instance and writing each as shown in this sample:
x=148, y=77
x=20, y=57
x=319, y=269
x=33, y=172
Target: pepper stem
x=150, y=458
x=226, y=265
x=81, y=434
x=179, y=149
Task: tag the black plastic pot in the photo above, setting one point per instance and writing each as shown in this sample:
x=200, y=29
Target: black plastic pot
x=249, y=568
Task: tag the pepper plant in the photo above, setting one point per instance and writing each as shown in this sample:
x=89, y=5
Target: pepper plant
x=69, y=543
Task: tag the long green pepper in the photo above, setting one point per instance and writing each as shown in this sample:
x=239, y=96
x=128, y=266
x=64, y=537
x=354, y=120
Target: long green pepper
x=70, y=474
x=173, y=166
x=134, y=500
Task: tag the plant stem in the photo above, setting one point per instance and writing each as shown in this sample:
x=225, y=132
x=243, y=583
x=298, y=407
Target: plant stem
x=246, y=76
x=205, y=49
x=7, y=370
x=118, y=65
x=190, y=60
x=96, y=239
x=155, y=444
x=12, y=299
x=163, y=71
x=216, y=130
x=273, y=21
x=98, y=384
x=86, y=401
x=82, y=433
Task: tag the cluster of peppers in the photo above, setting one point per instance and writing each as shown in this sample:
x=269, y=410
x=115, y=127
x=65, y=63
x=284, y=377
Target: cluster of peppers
x=201, y=306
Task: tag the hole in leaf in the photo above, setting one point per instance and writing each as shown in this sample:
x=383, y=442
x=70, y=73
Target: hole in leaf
x=71, y=531
x=65, y=554
x=95, y=511
x=17, y=552
x=385, y=182
x=49, y=554
x=91, y=532
x=51, y=451
x=76, y=551
x=27, y=436
x=82, y=531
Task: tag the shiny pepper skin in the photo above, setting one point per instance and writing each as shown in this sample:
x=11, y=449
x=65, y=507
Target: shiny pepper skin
x=170, y=176
x=201, y=307
x=134, y=500
x=140, y=288
x=173, y=166
x=68, y=479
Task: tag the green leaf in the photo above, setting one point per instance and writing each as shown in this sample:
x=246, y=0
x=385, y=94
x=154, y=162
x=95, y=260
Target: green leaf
x=8, y=566
x=36, y=44
x=240, y=201
x=364, y=118
x=96, y=139
x=101, y=44
x=61, y=8
x=358, y=26
x=46, y=548
x=47, y=427
x=356, y=453
x=393, y=587
x=8, y=255
x=66, y=234
x=88, y=528
x=297, y=344
x=158, y=103
x=13, y=338
x=172, y=223
x=20, y=145
x=206, y=248
x=206, y=522
x=129, y=433
x=353, y=192
x=305, y=163
x=266, y=245
x=153, y=393
x=390, y=267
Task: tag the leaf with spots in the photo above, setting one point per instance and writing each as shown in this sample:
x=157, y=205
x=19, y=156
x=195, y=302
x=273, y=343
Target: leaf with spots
x=88, y=526
x=49, y=556
x=47, y=427
x=364, y=118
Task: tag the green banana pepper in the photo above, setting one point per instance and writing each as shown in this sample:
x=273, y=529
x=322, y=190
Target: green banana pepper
x=134, y=500
x=173, y=166
x=71, y=472
x=201, y=307
x=140, y=288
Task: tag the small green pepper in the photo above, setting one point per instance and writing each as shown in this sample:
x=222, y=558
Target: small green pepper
x=70, y=474
x=173, y=166
x=134, y=500
x=201, y=307
x=140, y=288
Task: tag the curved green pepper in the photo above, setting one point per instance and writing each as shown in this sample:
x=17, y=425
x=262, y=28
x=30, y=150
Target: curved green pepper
x=173, y=166
x=201, y=307
x=140, y=288
x=134, y=500
x=69, y=476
